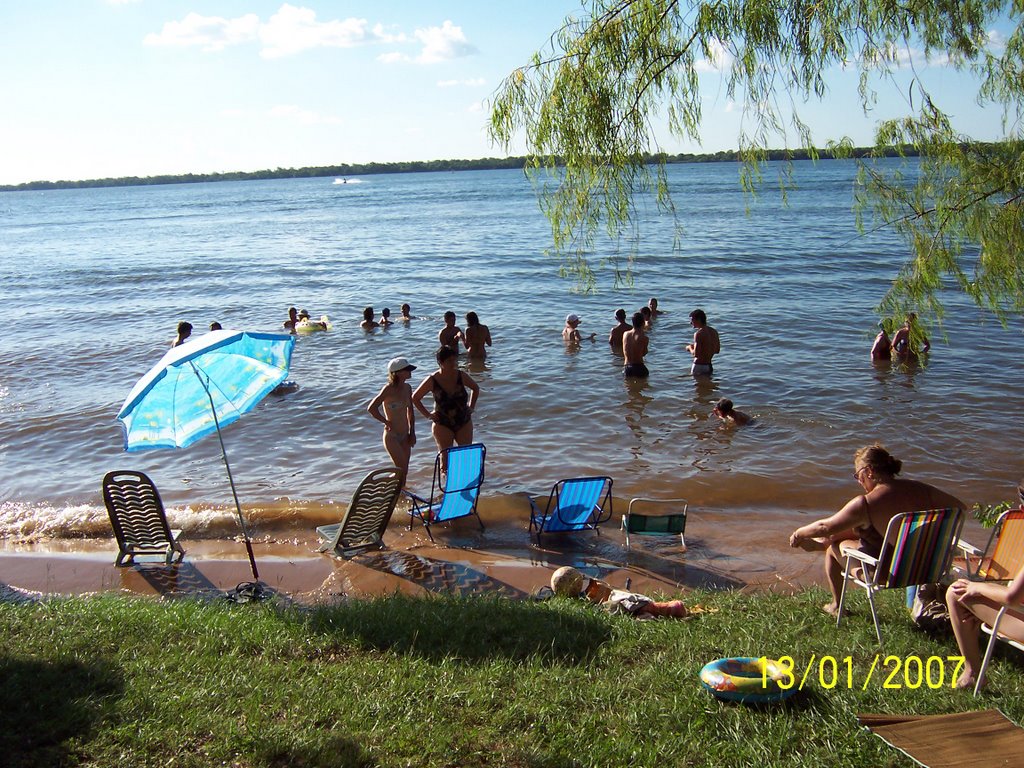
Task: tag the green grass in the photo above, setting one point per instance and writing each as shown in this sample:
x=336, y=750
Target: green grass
x=399, y=681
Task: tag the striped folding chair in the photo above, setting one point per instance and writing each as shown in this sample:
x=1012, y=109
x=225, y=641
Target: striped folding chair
x=576, y=504
x=1003, y=556
x=918, y=549
x=455, y=493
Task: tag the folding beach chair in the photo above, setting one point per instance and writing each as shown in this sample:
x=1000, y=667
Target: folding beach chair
x=917, y=549
x=655, y=517
x=138, y=519
x=1003, y=556
x=995, y=634
x=364, y=522
x=455, y=494
x=576, y=504
x=1001, y=560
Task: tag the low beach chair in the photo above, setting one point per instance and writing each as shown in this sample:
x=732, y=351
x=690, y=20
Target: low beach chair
x=655, y=517
x=576, y=504
x=455, y=494
x=364, y=522
x=917, y=549
x=138, y=518
x=1003, y=556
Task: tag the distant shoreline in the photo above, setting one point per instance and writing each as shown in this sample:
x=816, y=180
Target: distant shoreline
x=369, y=169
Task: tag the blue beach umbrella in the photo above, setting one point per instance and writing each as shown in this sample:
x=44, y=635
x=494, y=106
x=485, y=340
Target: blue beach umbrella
x=205, y=384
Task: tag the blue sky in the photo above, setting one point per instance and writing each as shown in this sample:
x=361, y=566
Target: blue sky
x=97, y=88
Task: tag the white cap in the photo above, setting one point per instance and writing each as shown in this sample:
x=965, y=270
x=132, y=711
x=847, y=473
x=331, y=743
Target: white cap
x=572, y=317
x=400, y=364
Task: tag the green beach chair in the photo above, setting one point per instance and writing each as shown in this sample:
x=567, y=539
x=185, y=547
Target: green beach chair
x=655, y=517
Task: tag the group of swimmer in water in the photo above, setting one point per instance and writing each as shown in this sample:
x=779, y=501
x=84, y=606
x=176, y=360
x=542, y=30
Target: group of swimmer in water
x=861, y=524
x=907, y=344
x=185, y=331
x=631, y=341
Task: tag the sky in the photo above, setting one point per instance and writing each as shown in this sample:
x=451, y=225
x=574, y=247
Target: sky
x=109, y=88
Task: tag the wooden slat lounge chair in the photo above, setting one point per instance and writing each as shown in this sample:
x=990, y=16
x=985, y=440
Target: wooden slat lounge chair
x=138, y=518
x=364, y=522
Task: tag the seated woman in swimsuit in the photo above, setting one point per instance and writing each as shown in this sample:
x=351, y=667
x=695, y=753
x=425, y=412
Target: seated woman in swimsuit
x=972, y=602
x=398, y=418
x=453, y=404
x=865, y=517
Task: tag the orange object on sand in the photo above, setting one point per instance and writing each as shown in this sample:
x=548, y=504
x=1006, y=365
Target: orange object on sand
x=673, y=608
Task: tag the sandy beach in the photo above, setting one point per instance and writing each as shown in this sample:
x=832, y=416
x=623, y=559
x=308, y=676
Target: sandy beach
x=501, y=560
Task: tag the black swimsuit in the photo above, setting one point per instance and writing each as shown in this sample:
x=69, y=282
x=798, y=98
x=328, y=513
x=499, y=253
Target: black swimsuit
x=451, y=408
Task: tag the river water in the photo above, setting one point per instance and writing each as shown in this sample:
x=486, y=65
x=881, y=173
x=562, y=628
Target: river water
x=95, y=281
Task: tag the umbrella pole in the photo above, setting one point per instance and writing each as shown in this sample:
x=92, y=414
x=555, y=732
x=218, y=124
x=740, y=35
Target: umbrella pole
x=231, y=480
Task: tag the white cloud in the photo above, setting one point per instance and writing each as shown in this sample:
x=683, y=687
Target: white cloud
x=289, y=31
x=292, y=30
x=475, y=107
x=393, y=57
x=475, y=82
x=303, y=116
x=718, y=60
x=210, y=33
x=443, y=44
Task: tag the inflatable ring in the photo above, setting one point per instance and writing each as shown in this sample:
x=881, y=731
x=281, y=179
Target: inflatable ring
x=746, y=679
x=308, y=326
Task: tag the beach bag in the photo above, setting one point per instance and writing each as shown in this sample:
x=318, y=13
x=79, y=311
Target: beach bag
x=929, y=610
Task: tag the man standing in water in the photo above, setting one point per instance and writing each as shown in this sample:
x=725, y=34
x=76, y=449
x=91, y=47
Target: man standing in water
x=634, y=347
x=615, y=337
x=705, y=344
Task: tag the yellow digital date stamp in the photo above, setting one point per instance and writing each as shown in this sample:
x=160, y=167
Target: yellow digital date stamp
x=894, y=672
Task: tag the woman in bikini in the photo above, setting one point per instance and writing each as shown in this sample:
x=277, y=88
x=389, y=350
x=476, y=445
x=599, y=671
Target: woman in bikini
x=455, y=395
x=477, y=337
x=866, y=516
x=398, y=418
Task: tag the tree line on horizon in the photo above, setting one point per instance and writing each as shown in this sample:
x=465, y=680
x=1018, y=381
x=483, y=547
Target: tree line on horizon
x=426, y=166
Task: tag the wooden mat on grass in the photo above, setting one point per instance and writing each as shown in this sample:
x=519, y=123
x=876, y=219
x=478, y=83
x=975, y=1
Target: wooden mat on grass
x=983, y=739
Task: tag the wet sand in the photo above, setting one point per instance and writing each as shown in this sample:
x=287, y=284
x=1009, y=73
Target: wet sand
x=724, y=549
x=501, y=560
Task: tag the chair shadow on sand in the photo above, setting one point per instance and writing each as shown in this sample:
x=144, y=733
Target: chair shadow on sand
x=439, y=576
x=176, y=580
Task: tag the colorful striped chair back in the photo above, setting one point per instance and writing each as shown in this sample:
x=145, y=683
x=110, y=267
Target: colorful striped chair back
x=1006, y=547
x=918, y=548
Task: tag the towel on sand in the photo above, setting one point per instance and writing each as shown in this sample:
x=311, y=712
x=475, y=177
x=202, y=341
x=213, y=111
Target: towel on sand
x=983, y=739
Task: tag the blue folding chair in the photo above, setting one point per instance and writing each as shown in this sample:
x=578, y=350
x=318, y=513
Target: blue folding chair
x=460, y=492
x=576, y=504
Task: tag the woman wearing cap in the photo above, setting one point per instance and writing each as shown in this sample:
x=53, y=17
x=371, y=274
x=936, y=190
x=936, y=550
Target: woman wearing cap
x=455, y=395
x=398, y=418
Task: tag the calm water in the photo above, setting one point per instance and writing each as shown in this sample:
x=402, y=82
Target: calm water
x=96, y=280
